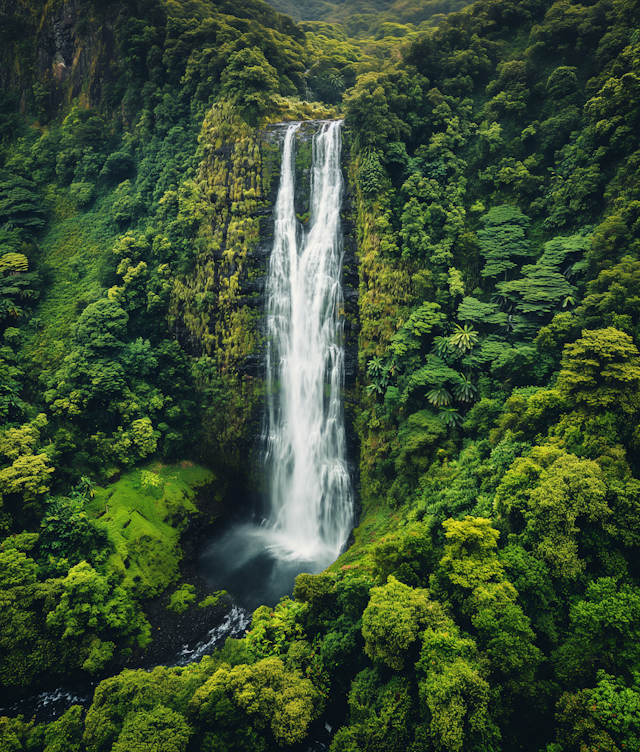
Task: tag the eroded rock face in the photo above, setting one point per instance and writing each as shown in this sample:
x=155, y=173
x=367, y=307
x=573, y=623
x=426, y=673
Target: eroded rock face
x=73, y=59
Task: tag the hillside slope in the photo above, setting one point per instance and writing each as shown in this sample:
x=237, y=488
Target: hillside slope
x=366, y=18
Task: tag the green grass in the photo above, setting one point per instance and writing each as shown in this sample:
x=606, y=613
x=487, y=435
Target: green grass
x=71, y=251
x=143, y=514
x=378, y=522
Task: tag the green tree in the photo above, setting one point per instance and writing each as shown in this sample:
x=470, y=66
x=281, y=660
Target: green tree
x=154, y=730
x=470, y=556
x=250, y=82
x=68, y=533
x=502, y=239
x=613, y=299
x=472, y=566
x=601, y=371
x=270, y=696
x=65, y=733
x=454, y=696
x=26, y=479
x=604, y=632
x=92, y=608
x=392, y=621
x=556, y=495
x=20, y=205
x=464, y=337
x=381, y=715
x=20, y=634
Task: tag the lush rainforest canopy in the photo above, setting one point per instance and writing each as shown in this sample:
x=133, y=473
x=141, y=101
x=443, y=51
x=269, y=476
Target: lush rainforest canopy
x=491, y=600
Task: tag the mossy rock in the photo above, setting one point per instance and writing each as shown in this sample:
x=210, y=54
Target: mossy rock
x=182, y=598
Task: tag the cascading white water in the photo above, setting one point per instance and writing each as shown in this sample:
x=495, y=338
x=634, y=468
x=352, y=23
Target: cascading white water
x=311, y=497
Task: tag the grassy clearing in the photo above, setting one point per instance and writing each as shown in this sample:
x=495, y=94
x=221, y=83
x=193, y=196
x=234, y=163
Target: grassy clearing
x=144, y=513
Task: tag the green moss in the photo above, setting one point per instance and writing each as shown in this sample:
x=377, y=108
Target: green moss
x=271, y=160
x=182, y=598
x=304, y=155
x=379, y=521
x=143, y=514
x=212, y=600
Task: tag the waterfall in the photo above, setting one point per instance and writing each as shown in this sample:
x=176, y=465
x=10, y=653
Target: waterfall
x=311, y=501
x=311, y=497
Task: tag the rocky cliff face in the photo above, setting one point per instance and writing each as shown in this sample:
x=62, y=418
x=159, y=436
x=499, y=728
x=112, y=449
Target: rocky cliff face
x=219, y=305
x=74, y=55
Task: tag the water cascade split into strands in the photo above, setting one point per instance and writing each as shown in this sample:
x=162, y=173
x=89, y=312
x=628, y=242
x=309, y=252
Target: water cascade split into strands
x=311, y=501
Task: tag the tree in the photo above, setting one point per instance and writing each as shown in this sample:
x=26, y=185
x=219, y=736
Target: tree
x=604, y=632
x=571, y=489
x=16, y=284
x=557, y=495
x=135, y=694
x=27, y=478
x=613, y=299
x=90, y=606
x=67, y=532
x=605, y=718
x=270, y=696
x=544, y=285
x=454, y=696
x=65, y=733
x=370, y=108
x=503, y=238
x=472, y=566
x=19, y=627
x=156, y=730
x=396, y=614
x=464, y=337
x=539, y=291
x=20, y=205
x=470, y=553
x=381, y=715
x=417, y=441
x=601, y=371
x=250, y=82
x=475, y=311
x=412, y=336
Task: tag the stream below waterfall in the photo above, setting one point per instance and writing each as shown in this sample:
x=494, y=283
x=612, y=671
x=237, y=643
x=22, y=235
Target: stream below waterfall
x=310, y=510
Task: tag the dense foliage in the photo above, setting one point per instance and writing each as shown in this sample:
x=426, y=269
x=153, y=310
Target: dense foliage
x=376, y=19
x=491, y=600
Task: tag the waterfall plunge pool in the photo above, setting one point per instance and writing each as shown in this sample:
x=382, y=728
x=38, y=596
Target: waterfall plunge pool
x=256, y=565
